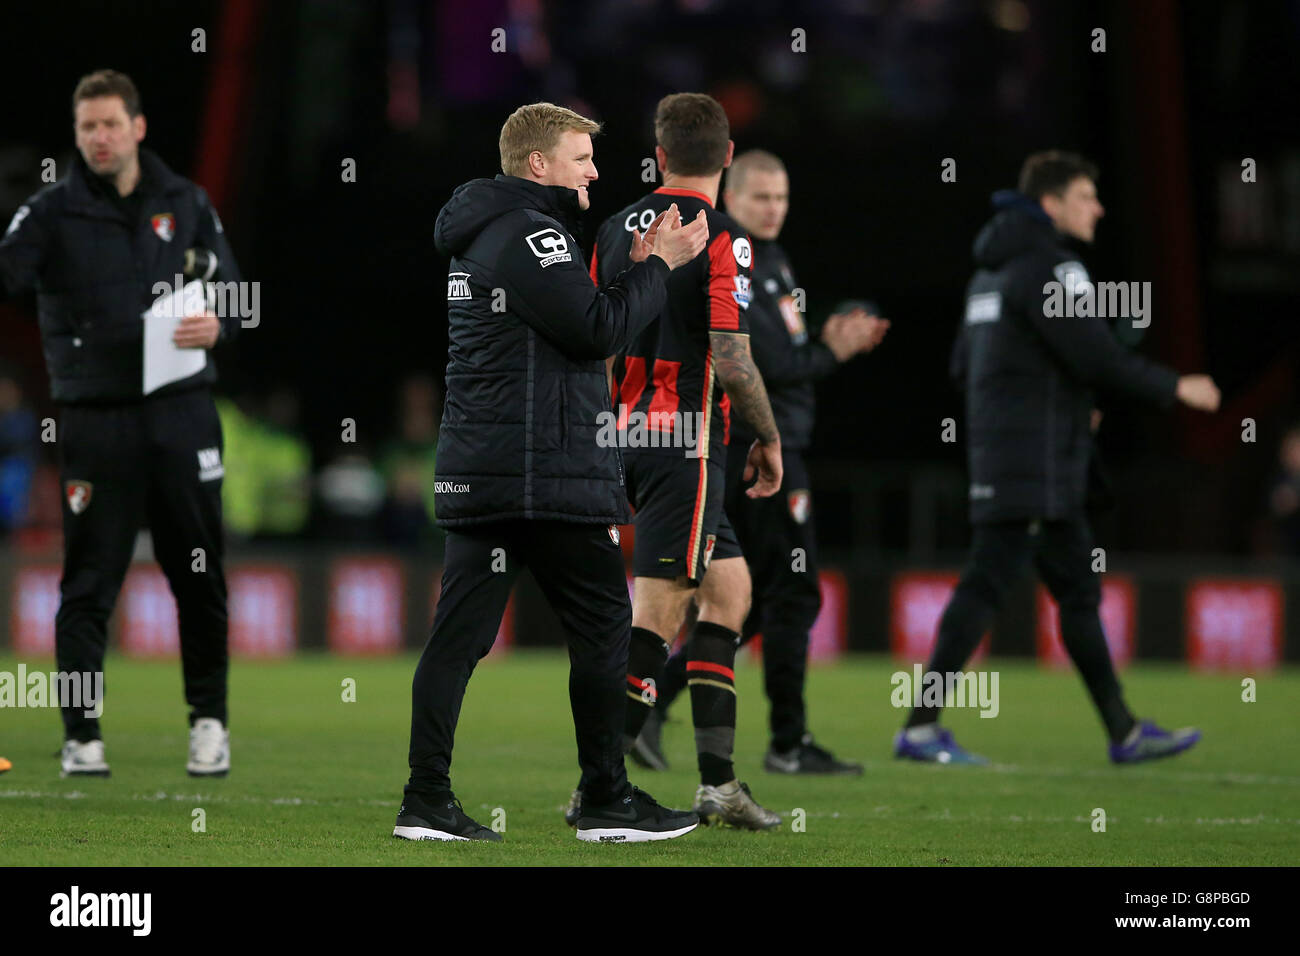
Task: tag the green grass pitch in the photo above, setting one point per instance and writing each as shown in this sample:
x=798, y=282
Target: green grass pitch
x=316, y=780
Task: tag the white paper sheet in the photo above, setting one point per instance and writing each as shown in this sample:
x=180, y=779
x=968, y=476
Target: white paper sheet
x=163, y=361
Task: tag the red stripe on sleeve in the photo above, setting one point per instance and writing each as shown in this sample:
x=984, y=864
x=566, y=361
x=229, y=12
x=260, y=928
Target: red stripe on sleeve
x=724, y=311
x=595, y=280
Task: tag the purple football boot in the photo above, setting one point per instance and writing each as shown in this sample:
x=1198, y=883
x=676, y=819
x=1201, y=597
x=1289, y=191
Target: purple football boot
x=1147, y=742
x=933, y=744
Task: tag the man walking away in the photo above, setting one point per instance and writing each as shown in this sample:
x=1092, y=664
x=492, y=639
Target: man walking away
x=1030, y=374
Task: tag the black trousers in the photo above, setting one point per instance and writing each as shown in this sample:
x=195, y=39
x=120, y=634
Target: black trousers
x=580, y=570
x=1061, y=551
x=780, y=549
x=155, y=463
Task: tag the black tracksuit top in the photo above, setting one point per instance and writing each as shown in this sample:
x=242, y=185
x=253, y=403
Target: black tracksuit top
x=94, y=271
x=1030, y=377
x=526, y=395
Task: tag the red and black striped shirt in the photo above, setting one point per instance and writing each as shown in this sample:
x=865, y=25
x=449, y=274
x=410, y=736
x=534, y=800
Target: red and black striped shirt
x=668, y=371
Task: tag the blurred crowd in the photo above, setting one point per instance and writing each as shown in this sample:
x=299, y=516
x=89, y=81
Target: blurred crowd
x=278, y=488
x=275, y=489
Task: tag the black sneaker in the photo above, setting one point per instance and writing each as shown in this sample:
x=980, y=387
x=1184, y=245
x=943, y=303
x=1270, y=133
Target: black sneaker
x=809, y=758
x=418, y=820
x=635, y=818
x=646, y=750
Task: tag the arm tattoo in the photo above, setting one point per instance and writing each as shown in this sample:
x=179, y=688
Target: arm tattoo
x=739, y=376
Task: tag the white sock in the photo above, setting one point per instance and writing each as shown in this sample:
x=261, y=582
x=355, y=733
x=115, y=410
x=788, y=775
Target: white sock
x=922, y=734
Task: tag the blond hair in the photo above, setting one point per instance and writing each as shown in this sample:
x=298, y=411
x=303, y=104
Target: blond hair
x=537, y=126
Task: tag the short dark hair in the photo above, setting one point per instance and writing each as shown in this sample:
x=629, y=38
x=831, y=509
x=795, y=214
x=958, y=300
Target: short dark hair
x=108, y=83
x=1052, y=172
x=752, y=161
x=693, y=130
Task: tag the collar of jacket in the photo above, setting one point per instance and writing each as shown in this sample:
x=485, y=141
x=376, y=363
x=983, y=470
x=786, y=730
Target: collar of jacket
x=560, y=202
x=156, y=178
x=1014, y=199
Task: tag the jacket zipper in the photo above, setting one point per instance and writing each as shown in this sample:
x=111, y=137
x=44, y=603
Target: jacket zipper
x=564, y=414
x=1051, y=446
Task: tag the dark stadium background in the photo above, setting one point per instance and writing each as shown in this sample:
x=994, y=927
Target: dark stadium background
x=352, y=289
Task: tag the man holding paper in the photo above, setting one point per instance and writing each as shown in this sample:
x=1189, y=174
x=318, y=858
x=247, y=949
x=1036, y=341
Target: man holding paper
x=108, y=249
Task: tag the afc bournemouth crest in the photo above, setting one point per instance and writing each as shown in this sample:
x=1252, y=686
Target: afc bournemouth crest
x=709, y=542
x=794, y=323
x=78, y=495
x=613, y=533
x=164, y=224
x=800, y=505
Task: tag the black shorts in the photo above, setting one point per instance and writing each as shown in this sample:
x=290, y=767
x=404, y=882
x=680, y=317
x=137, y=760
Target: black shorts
x=680, y=522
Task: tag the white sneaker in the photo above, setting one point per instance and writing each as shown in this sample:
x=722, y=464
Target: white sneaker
x=209, y=749
x=83, y=760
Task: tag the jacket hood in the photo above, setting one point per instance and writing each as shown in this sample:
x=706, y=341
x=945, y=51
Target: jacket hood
x=1019, y=225
x=479, y=202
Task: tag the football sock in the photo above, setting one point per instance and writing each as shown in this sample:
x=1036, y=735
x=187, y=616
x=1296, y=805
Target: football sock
x=646, y=654
x=674, y=681
x=711, y=677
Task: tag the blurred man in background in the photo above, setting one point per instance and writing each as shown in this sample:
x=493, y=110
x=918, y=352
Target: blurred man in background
x=1284, y=497
x=1030, y=374
x=94, y=245
x=776, y=533
x=19, y=443
x=523, y=477
x=677, y=384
